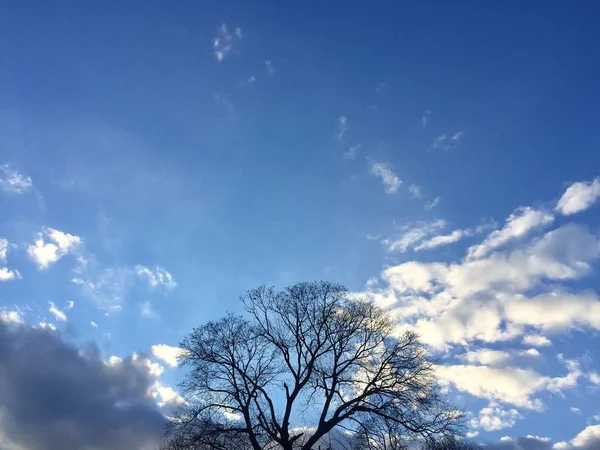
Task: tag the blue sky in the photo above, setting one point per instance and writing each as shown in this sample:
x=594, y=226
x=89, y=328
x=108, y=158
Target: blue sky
x=441, y=158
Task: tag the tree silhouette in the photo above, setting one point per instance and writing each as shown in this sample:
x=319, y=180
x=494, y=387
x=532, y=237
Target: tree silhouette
x=311, y=354
x=451, y=443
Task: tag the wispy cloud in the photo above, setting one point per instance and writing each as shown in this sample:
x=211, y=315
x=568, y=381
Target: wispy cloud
x=225, y=105
x=446, y=141
x=415, y=190
x=147, y=311
x=412, y=236
x=438, y=241
x=223, y=42
x=352, y=152
x=107, y=287
x=45, y=253
x=425, y=119
x=269, y=68
x=390, y=180
x=518, y=224
x=433, y=203
x=156, y=277
x=14, y=182
x=342, y=128
x=579, y=197
x=250, y=80
x=57, y=313
x=454, y=236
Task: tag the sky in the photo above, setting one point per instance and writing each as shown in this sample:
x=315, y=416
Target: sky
x=159, y=159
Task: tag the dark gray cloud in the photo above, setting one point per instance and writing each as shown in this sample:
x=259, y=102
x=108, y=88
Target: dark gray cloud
x=521, y=443
x=54, y=395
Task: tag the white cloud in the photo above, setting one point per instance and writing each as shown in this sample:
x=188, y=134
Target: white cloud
x=559, y=311
x=594, y=377
x=70, y=304
x=12, y=181
x=93, y=324
x=342, y=128
x=390, y=180
x=156, y=277
x=517, y=225
x=486, y=357
x=579, y=197
x=166, y=396
x=269, y=68
x=537, y=340
x=47, y=326
x=587, y=439
x=575, y=410
x=11, y=317
x=415, y=191
x=411, y=237
x=5, y=273
x=223, y=42
x=57, y=313
x=512, y=386
x=47, y=253
x=494, y=418
x=504, y=358
x=3, y=250
x=167, y=353
x=488, y=299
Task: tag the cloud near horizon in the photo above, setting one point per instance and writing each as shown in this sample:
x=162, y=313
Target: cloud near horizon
x=54, y=395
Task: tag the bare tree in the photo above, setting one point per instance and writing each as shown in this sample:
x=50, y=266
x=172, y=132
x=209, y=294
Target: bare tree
x=310, y=354
x=451, y=443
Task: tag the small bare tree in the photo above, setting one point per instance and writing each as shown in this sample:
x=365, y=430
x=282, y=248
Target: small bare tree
x=451, y=443
x=310, y=354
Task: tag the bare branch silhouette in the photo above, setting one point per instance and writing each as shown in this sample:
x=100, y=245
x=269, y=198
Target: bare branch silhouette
x=309, y=349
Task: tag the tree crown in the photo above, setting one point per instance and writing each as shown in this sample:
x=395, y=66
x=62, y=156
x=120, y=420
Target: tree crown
x=309, y=351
